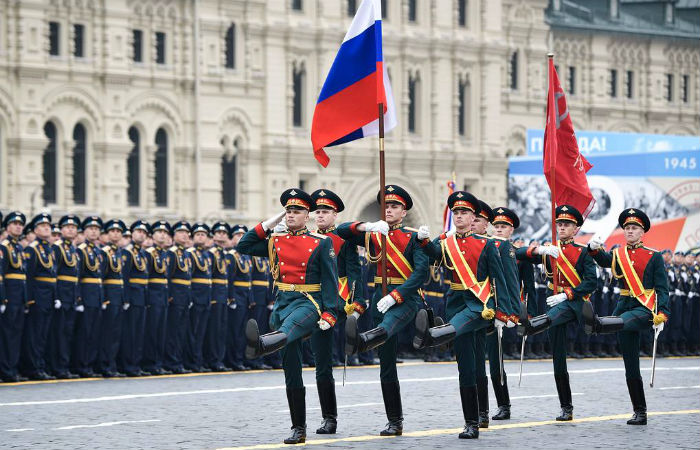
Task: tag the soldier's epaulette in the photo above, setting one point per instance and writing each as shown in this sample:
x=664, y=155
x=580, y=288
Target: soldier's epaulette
x=482, y=236
x=128, y=247
x=415, y=230
x=318, y=235
x=5, y=242
x=191, y=250
x=106, y=249
x=173, y=249
x=151, y=249
x=58, y=241
x=232, y=252
x=34, y=244
x=649, y=248
x=499, y=238
x=278, y=234
x=576, y=244
x=82, y=246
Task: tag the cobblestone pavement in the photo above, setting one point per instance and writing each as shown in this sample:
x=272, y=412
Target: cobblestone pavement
x=248, y=410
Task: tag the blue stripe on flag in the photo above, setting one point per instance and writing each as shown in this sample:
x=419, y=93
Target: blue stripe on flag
x=357, y=134
x=355, y=60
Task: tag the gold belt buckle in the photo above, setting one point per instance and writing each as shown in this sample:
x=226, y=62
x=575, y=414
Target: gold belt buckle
x=292, y=287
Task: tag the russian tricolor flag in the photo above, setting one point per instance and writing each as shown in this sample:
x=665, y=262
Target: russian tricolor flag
x=357, y=82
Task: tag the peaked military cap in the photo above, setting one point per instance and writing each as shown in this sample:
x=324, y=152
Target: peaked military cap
x=14, y=216
x=567, y=213
x=41, y=218
x=635, y=216
x=221, y=226
x=326, y=199
x=182, y=225
x=91, y=221
x=160, y=225
x=463, y=200
x=200, y=227
x=69, y=219
x=115, y=224
x=297, y=199
x=485, y=211
x=396, y=194
x=506, y=216
x=238, y=229
x=140, y=225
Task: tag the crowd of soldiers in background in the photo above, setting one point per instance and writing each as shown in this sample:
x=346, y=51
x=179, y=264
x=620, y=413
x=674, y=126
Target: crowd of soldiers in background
x=164, y=321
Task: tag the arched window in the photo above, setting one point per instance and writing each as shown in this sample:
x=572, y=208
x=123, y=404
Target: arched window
x=161, y=168
x=298, y=81
x=49, y=173
x=79, y=165
x=228, y=175
x=133, y=165
x=231, y=47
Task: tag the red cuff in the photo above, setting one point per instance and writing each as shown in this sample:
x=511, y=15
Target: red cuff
x=259, y=231
x=353, y=227
x=530, y=251
x=328, y=317
x=501, y=316
x=396, y=296
x=423, y=242
x=569, y=293
x=514, y=318
x=360, y=308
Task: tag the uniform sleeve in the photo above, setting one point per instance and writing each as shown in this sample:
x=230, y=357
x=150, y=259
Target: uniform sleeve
x=510, y=273
x=353, y=270
x=601, y=257
x=127, y=265
x=2, y=274
x=231, y=274
x=329, y=281
x=30, y=269
x=432, y=249
x=495, y=270
x=589, y=278
x=418, y=276
x=527, y=254
x=349, y=232
x=527, y=277
x=254, y=242
x=661, y=284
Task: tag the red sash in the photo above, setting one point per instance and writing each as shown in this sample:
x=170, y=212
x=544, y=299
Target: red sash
x=482, y=290
x=394, y=256
x=646, y=297
x=343, y=290
x=565, y=267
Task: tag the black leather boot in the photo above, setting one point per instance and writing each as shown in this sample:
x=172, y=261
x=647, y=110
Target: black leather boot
x=482, y=393
x=391, y=392
x=257, y=346
x=329, y=408
x=296, y=397
x=592, y=324
x=431, y=337
x=635, y=386
x=470, y=409
x=564, y=391
x=533, y=326
x=356, y=342
x=502, y=398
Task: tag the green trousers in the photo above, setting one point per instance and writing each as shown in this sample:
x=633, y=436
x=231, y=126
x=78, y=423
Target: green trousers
x=296, y=324
x=637, y=318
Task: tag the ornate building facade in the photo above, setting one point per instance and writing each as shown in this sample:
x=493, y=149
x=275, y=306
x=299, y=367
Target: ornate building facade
x=202, y=109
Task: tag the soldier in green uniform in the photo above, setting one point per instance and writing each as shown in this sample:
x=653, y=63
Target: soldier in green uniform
x=643, y=299
x=472, y=303
x=576, y=281
x=328, y=205
x=487, y=343
x=305, y=271
x=407, y=270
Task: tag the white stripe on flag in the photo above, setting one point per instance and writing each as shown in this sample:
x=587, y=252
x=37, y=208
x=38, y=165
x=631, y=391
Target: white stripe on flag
x=368, y=12
x=390, y=121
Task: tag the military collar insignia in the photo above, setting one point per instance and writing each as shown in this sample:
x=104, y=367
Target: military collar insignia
x=395, y=226
x=567, y=241
x=463, y=235
x=298, y=232
x=327, y=230
x=637, y=245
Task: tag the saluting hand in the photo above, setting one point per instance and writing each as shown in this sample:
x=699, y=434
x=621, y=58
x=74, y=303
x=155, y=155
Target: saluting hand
x=274, y=220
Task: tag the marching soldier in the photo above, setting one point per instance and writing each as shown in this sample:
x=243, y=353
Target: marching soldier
x=87, y=336
x=179, y=299
x=240, y=290
x=435, y=299
x=262, y=302
x=112, y=306
x=328, y=205
x=216, y=328
x=476, y=270
x=489, y=343
x=643, y=300
x=67, y=292
x=407, y=270
x=576, y=282
x=135, y=273
x=306, y=277
x=201, y=296
x=528, y=293
x=41, y=294
x=14, y=299
x=156, y=300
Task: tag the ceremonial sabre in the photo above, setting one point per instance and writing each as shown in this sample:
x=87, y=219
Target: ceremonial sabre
x=522, y=350
x=345, y=364
x=499, y=334
x=653, y=351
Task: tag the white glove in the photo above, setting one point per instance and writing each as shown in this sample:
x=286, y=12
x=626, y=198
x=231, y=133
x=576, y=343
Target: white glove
x=596, y=243
x=556, y=299
x=379, y=226
x=549, y=250
x=233, y=305
x=606, y=289
x=499, y=326
x=423, y=232
x=126, y=306
x=672, y=275
x=355, y=314
x=684, y=275
x=104, y=306
x=659, y=327
x=691, y=294
x=3, y=307
x=190, y=305
x=80, y=308
x=616, y=290
x=280, y=227
x=452, y=232
x=57, y=304
x=323, y=325
x=678, y=292
x=509, y=324
x=385, y=303
x=270, y=306
x=274, y=220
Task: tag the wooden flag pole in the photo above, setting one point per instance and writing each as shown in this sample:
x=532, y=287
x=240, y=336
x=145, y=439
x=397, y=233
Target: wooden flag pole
x=553, y=168
x=382, y=199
